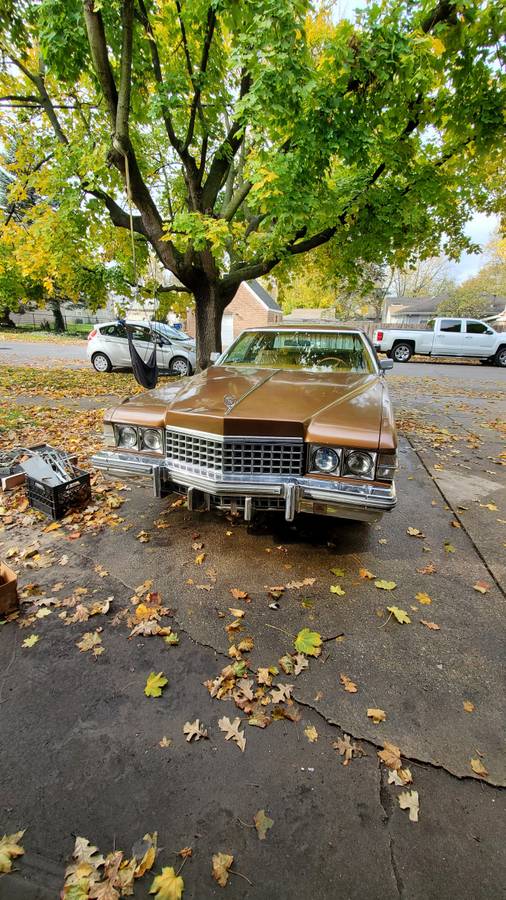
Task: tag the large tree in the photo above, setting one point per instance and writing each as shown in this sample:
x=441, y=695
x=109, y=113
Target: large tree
x=247, y=133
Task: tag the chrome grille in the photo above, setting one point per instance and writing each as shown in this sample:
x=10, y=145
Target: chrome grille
x=206, y=456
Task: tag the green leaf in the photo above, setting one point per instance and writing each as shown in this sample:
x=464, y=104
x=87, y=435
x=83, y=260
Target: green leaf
x=339, y=573
x=337, y=589
x=262, y=823
x=385, y=585
x=308, y=642
x=172, y=638
x=155, y=684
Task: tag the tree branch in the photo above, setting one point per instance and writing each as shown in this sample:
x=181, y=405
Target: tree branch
x=211, y=22
x=119, y=217
x=125, y=83
x=173, y=288
x=236, y=200
x=224, y=155
x=100, y=56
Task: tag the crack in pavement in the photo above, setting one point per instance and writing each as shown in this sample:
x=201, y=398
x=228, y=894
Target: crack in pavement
x=387, y=804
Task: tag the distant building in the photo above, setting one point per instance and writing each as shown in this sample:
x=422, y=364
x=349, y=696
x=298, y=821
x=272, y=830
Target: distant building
x=252, y=306
x=418, y=310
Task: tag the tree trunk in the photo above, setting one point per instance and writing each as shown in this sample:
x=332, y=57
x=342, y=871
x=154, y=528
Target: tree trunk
x=209, y=305
x=59, y=321
x=5, y=318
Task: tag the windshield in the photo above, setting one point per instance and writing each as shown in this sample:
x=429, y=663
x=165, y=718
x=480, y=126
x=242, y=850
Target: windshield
x=174, y=334
x=318, y=351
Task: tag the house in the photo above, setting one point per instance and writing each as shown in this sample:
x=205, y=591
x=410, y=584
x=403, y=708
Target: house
x=418, y=310
x=251, y=306
x=307, y=314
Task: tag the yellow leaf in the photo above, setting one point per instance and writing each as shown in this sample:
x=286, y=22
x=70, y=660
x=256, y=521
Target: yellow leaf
x=221, y=865
x=308, y=642
x=199, y=559
x=385, y=585
x=311, y=733
x=414, y=532
x=399, y=614
x=10, y=849
x=478, y=767
x=149, y=857
x=482, y=587
x=348, y=684
x=468, y=706
x=155, y=684
x=337, y=589
x=390, y=755
x=168, y=885
x=423, y=598
x=377, y=715
x=30, y=641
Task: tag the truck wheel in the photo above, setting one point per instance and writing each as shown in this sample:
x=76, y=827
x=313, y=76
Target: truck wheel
x=402, y=353
x=500, y=357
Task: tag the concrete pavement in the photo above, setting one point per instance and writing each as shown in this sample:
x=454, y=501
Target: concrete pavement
x=80, y=741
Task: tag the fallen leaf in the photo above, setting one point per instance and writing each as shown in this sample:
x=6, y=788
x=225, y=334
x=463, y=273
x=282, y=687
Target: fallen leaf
x=478, y=767
x=143, y=537
x=415, y=532
x=390, y=755
x=171, y=639
x=308, y=642
x=346, y=748
x=165, y=742
x=337, y=589
x=339, y=573
x=185, y=853
x=364, y=573
x=42, y=613
x=287, y=664
x=237, y=613
x=307, y=582
x=232, y=732
x=155, y=684
x=237, y=594
x=449, y=548
x=431, y=625
x=199, y=559
x=491, y=506
x=311, y=734
x=423, y=598
x=482, y=587
x=400, y=615
x=429, y=569
x=409, y=800
x=31, y=640
x=348, y=684
x=245, y=645
x=468, y=706
x=385, y=585
x=194, y=730
x=377, y=715
x=146, y=852
x=299, y=663
x=220, y=867
x=400, y=777
x=262, y=823
x=281, y=692
x=168, y=885
x=89, y=641
x=10, y=849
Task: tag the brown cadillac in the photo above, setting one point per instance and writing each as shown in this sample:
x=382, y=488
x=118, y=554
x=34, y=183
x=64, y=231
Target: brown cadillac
x=294, y=418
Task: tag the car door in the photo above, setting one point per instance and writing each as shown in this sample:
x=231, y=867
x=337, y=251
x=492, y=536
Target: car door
x=479, y=339
x=449, y=340
x=164, y=348
x=115, y=344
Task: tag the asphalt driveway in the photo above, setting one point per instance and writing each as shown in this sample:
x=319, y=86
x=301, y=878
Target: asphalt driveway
x=80, y=742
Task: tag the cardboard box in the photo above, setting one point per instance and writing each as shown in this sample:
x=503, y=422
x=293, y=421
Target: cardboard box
x=9, y=601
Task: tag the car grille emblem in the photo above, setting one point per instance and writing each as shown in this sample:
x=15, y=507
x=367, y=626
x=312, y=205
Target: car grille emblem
x=229, y=401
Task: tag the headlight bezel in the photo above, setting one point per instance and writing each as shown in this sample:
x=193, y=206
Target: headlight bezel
x=335, y=468
x=366, y=454
x=382, y=468
x=139, y=445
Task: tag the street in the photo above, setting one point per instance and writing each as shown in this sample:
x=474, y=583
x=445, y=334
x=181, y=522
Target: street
x=98, y=758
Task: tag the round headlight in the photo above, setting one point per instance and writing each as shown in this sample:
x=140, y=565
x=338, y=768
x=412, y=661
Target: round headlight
x=325, y=459
x=127, y=436
x=152, y=439
x=360, y=464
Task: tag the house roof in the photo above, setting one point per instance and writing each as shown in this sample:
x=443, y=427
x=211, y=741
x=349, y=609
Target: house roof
x=418, y=306
x=263, y=295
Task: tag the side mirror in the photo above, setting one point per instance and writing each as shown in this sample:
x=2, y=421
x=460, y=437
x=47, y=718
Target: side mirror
x=214, y=356
x=386, y=364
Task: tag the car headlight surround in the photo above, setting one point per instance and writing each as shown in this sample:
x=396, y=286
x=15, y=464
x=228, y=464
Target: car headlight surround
x=386, y=466
x=325, y=460
x=359, y=463
x=127, y=437
x=152, y=439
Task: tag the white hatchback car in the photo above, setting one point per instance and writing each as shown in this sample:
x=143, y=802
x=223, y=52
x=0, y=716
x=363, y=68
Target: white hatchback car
x=108, y=346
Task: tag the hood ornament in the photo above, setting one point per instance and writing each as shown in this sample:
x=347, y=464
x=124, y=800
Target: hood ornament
x=229, y=402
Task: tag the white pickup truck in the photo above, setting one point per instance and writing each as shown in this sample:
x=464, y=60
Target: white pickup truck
x=446, y=337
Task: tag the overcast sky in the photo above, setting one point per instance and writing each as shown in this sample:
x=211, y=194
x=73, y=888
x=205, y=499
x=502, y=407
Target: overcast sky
x=481, y=228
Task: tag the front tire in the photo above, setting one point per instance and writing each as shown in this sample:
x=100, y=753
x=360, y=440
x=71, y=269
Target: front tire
x=180, y=366
x=500, y=358
x=101, y=362
x=402, y=353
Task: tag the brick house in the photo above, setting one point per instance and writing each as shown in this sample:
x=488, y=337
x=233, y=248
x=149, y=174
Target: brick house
x=252, y=306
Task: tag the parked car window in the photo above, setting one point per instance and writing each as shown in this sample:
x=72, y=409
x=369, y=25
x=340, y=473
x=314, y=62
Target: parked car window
x=172, y=334
x=113, y=331
x=477, y=328
x=140, y=334
x=318, y=351
x=450, y=325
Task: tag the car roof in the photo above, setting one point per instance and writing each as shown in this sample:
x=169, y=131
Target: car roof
x=305, y=326
x=143, y=323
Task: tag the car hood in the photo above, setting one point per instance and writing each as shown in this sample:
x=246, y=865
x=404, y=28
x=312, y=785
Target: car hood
x=248, y=401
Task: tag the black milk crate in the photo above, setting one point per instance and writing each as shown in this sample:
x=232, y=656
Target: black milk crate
x=57, y=501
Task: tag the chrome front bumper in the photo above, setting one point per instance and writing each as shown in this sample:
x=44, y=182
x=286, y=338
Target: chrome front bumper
x=293, y=494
